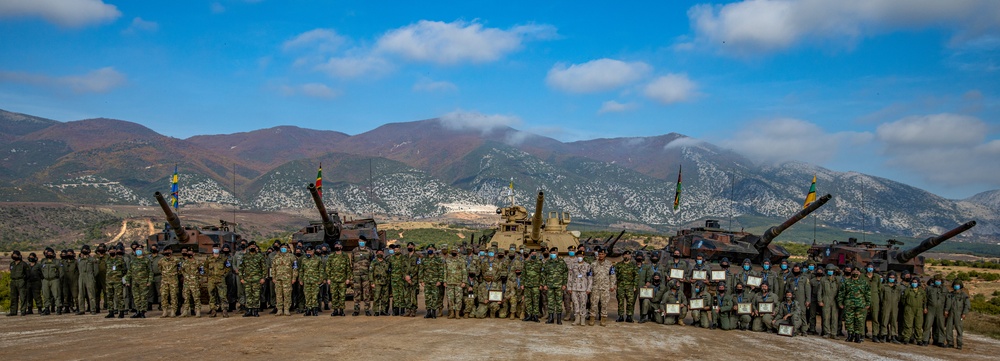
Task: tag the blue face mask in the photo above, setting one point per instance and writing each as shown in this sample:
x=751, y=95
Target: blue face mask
x=746, y=267
x=829, y=273
x=767, y=267
x=870, y=270
x=696, y=290
x=812, y=268
x=553, y=256
x=490, y=254
x=957, y=287
x=284, y=250
x=430, y=252
x=138, y=252
x=571, y=253
x=892, y=280
x=391, y=251
x=914, y=284
x=937, y=283
x=699, y=262
x=482, y=253
x=361, y=244
x=784, y=266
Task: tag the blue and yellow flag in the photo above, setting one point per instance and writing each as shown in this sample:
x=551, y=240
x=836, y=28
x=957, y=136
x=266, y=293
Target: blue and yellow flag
x=811, y=197
x=174, y=196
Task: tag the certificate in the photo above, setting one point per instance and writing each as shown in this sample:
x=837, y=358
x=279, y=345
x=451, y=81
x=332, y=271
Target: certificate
x=765, y=307
x=646, y=292
x=786, y=330
x=496, y=296
x=754, y=281
x=744, y=308
x=672, y=309
x=699, y=275
x=697, y=304
x=718, y=275
x=676, y=273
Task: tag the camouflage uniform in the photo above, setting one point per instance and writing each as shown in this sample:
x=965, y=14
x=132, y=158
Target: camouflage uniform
x=398, y=269
x=431, y=274
x=455, y=274
x=140, y=277
x=412, y=287
x=471, y=287
x=603, y=280
x=513, y=296
x=531, y=282
x=284, y=272
x=338, y=272
x=191, y=270
x=217, y=269
x=486, y=308
x=554, y=276
x=169, y=272
x=114, y=285
x=957, y=306
x=361, y=259
x=312, y=275
x=626, y=273
x=87, y=268
x=379, y=272
x=855, y=298
x=52, y=271
x=252, y=272
x=579, y=283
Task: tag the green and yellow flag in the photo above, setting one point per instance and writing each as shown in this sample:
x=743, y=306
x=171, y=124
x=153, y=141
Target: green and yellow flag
x=677, y=194
x=811, y=197
x=319, y=181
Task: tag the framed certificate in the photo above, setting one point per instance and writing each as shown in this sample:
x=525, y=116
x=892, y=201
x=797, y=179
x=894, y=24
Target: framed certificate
x=672, y=309
x=786, y=330
x=699, y=275
x=754, y=281
x=646, y=292
x=718, y=275
x=697, y=304
x=744, y=308
x=496, y=296
x=765, y=307
x=676, y=273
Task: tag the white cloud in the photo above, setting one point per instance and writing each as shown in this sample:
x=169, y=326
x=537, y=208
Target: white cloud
x=683, y=142
x=138, y=24
x=65, y=13
x=312, y=90
x=671, y=88
x=791, y=139
x=946, y=149
x=457, y=42
x=319, y=40
x=428, y=85
x=472, y=120
x=217, y=8
x=595, y=75
x=97, y=81
x=612, y=106
x=763, y=26
x=352, y=67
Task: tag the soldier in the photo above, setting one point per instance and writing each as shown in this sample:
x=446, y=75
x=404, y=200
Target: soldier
x=892, y=292
x=532, y=286
x=543, y=294
x=129, y=256
x=241, y=295
x=232, y=278
x=578, y=284
x=169, y=272
x=102, y=272
x=874, y=312
x=470, y=304
x=379, y=272
x=70, y=281
x=956, y=307
x=115, y=283
x=217, y=270
x=730, y=276
x=784, y=274
x=252, y=277
x=87, y=268
x=815, y=277
x=311, y=276
x=324, y=288
x=678, y=262
x=360, y=261
x=52, y=271
x=934, y=312
x=18, y=285
x=514, y=294
x=154, y=288
x=723, y=308
x=455, y=274
x=699, y=265
x=844, y=277
x=764, y=321
x=284, y=272
x=855, y=299
x=397, y=270
x=826, y=299
x=768, y=275
x=741, y=321
x=554, y=279
x=603, y=284
x=34, y=284
x=191, y=270
x=338, y=275
x=647, y=306
x=802, y=290
x=431, y=276
x=626, y=273
x=646, y=271
x=789, y=313
x=267, y=296
x=411, y=280
x=298, y=295
x=702, y=317
x=670, y=295
x=570, y=260
x=915, y=303
x=485, y=308
x=139, y=277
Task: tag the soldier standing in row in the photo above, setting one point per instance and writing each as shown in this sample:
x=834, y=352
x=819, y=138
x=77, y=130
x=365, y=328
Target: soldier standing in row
x=114, y=283
x=34, y=284
x=139, y=277
x=70, y=281
x=956, y=307
x=826, y=299
x=934, y=312
x=52, y=271
x=555, y=273
x=338, y=274
x=455, y=274
x=626, y=273
x=914, y=304
x=380, y=278
x=431, y=276
x=531, y=286
x=412, y=279
x=87, y=268
x=602, y=286
x=284, y=272
x=169, y=272
x=154, y=288
x=397, y=271
x=102, y=273
x=18, y=285
x=874, y=311
x=252, y=272
x=579, y=282
x=855, y=299
x=514, y=294
x=311, y=276
x=892, y=292
x=191, y=271
x=361, y=261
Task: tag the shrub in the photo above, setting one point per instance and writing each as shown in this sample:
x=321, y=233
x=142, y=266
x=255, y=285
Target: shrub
x=4, y=291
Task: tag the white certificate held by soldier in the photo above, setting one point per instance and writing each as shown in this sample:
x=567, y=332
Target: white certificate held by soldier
x=786, y=330
x=754, y=281
x=697, y=304
x=718, y=275
x=676, y=273
x=765, y=307
x=699, y=275
x=672, y=309
x=645, y=292
x=496, y=296
x=744, y=308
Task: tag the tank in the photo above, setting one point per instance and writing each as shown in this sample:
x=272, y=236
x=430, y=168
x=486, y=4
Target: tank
x=714, y=243
x=176, y=237
x=332, y=228
x=886, y=257
x=607, y=244
x=515, y=228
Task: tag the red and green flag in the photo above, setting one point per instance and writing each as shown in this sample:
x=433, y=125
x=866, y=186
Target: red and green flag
x=677, y=194
x=319, y=181
x=811, y=197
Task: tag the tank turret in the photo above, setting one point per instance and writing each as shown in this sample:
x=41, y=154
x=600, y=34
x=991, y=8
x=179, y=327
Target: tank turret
x=175, y=223
x=331, y=231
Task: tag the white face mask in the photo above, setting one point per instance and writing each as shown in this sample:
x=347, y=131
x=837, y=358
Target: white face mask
x=579, y=259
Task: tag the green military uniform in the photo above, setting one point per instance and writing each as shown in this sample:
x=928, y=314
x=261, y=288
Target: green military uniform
x=52, y=271
x=70, y=284
x=484, y=307
x=934, y=319
x=217, y=269
x=87, y=268
x=18, y=288
x=169, y=272
x=398, y=269
x=311, y=275
x=765, y=321
x=455, y=274
x=361, y=259
x=284, y=272
x=191, y=270
x=34, y=286
x=114, y=282
x=874, y=312
x=790, y=313
x=626, y=273
x=670, y=294
x=554, y=276
x=801, y=290
x=513, y=295
x=252, y=272
x=723, y=310
x=891, y=294
x=702, y=317
x=956, y=307
x=826, y=298
x=531, y=283
x=99, y=280
x=743, y=321
x=855, y=298
x=379, y=272
x=154, y=287
x=412, y=287
x=431, y=274
x=338, y=272
x=140, y=277
x=914, y=303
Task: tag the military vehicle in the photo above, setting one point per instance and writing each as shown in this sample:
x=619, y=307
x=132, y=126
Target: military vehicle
x=888, y=257
x=607, y=244
x=714, y=243
x=175, y=237
x=515, y=227
x=333, y=228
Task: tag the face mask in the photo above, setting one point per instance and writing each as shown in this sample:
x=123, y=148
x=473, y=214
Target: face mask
x=914, y=284
x=699, y=262
x=656, y=282
x=339, y=249
x=571, y=253
x=481, y=253
x=215, y=251
x=284, y=250
x=409, y=249
x=16, y=258
x=429, y=252
x=892, y=280
x=739, y=290
x=957, y=287
x=746, y=267
x=510, y=257
x=491, y=254
x=533, y=257
x=553, y=256
x=361, y=244
x=767, y=267
x=655, y=260
x=829, y=273
x=579, y=259
x=696, y=290
x=937, y=283
x=32, y=259
x=764, y=290
x=812, y=268
x=789, y=299
x=725, y=265
x=391, y=252
x=454, y=254
x=308, y=255
x=870, y=270
x=784, y=267
x=639, y=260
x=138, y=252
x=518, y=274
x=797, y=272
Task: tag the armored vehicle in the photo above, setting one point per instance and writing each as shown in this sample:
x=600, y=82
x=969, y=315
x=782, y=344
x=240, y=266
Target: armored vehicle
x=888, y=257
x=515, y=227
x=175, y=237
x=333, y=228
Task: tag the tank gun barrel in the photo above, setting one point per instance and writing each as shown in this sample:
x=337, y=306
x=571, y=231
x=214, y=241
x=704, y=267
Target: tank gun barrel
x=773, y=232
x=536, y=220
x=932, y=242
x=611, y=246
x=172, y=218
x=328, y=226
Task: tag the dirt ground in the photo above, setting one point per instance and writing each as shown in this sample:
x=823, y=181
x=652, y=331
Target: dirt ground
x=269, y=337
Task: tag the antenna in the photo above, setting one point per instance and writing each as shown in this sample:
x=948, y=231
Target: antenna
x=235, y=200
x=732, y=199
x=863, y=226
x=371, y=187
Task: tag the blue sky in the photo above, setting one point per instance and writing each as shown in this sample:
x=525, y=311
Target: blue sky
x=902, y=89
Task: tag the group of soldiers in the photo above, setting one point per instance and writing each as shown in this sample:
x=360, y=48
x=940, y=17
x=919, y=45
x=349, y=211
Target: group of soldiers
x=467, y=282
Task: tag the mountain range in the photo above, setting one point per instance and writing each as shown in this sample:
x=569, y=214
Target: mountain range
x=429, y=167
